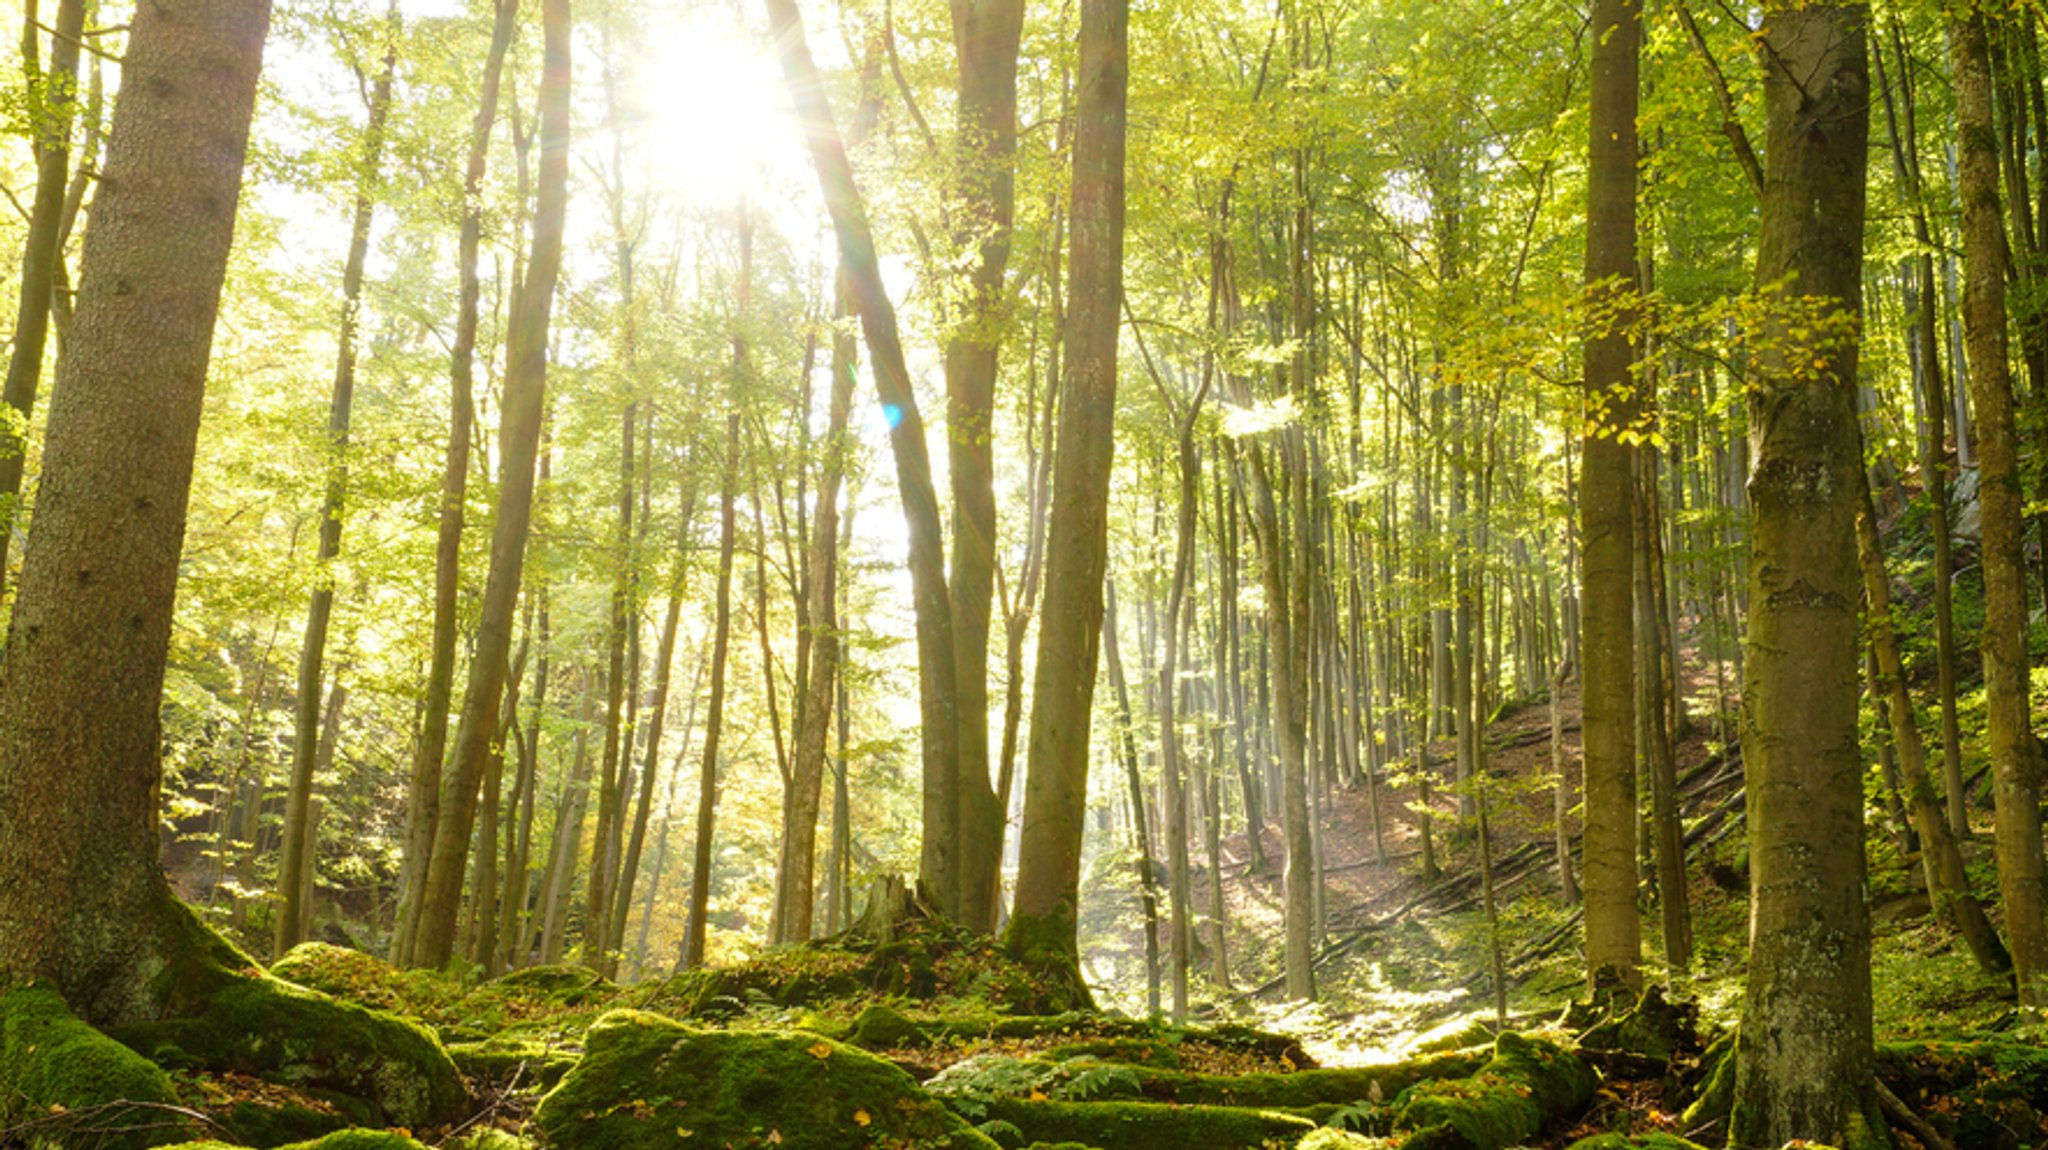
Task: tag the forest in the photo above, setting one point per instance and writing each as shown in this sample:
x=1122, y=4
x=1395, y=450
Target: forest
x=1055, y=575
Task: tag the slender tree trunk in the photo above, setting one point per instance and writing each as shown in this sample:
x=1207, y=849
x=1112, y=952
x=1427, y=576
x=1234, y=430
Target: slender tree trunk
x=986, y=34
x=519, y=428
x=2015, y=756
x=692, y=955
x=1941, y=861
x=423, y=796
x=939, y=865
x=1124, y=742
x=53, y=100
x=297, y=853
x=1803, y=1062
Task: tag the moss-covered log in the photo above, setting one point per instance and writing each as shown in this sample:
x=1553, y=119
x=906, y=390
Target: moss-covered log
x=644, y=1080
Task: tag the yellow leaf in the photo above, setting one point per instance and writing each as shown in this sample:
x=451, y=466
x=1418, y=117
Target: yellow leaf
x=820, y=1049
x=684, y=1132
x=1037, y=1095
x=860, y=1118
x=775, y=1137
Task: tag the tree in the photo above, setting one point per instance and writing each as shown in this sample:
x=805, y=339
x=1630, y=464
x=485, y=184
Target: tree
x=526, y=370
x=83, y=903
x=1607, y=530
x=53, y=97
x=1042, y=925
x=295, y=861
x=1803, y=1061
x=423, y=795
x=2016, y=761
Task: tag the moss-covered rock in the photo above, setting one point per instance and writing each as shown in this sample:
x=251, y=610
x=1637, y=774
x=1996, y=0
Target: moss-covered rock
x=1149, y=1125
x=1986, y=1095
x=565, y=985
x=883, y=1027
x=351, y=1139
x=1637, y=1142
x=343, y=973
x=513, y=1062
x=644, y=1078
x=256, y=1024
x=64, y=1083
x=1529, y=1083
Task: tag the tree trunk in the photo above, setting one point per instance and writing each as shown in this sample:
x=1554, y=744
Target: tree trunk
x=1941, y=861
x=1803, y=1062
x=1607, y=599
x=2015, y=757
x=692, y=955
x=939, y=865
x=1042, y=926
x=53, y=98
x=82, y=901
x=986, y=34
x=423, y=795
x=297, y=853
x=518, y=444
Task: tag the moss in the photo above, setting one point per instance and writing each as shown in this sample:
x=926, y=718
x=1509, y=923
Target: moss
x=565, y=985
x=1305, y=1088
x=1327, y=1138
x=260, y=1124
x=343, y=973
x=883, y=1027
x=359, y=1140
x=507, y=1062
x=1131, y=1051
x=1717, y=1093
x=256, y=1024
x=1044, y=946
x=643, y=1078
x=1148, y=1125
x=1529, y=1083
x=1979, y=1094
x=1637, y=1142
x=64, y=1075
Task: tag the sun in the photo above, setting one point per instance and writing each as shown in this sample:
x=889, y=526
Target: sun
x=713, y=115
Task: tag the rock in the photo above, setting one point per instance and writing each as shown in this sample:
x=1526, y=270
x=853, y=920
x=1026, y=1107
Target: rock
x=645, y=1080
x=883, y=1027
x=1639, y=1142
x=1150, y=1125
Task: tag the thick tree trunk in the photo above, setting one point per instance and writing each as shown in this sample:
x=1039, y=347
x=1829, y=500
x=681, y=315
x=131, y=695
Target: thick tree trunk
x=2015, y=757
x=1607, y=599
x=1803, y=1062
x=82, y=902
x=297, y=853
x=1042, y=926
x=519, y=441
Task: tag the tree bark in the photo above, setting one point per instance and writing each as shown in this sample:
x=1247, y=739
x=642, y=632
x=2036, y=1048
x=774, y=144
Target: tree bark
x=82, y=901
x=692, y=955
x=1803, y=1061
x=1607, y=691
